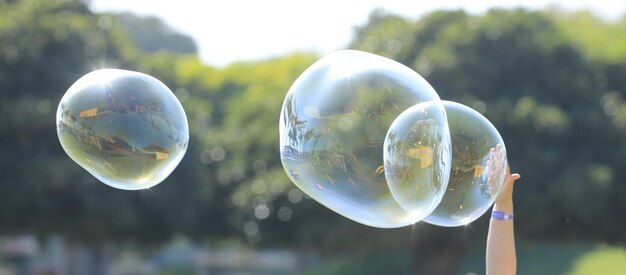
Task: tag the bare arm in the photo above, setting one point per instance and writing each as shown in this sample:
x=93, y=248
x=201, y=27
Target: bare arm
x=501, y=259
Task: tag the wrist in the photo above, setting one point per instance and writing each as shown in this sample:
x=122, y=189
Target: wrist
x=506, y=207
x=501, y=216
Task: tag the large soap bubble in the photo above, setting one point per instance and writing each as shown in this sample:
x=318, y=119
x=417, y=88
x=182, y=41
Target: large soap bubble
x=125, y=128
x=418, y=158
x=478, y=167
x=332, y=128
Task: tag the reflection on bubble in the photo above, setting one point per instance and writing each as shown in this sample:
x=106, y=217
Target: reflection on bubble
x=418, y=158
x=125, y=128
x=478, y=167
x=332, y=128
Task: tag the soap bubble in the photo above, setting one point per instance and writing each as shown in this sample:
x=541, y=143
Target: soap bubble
x=125, y=128
x=418, y=158
x=332, y=129
x=478, y=167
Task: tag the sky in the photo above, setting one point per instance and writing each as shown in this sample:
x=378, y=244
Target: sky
x=245, y=30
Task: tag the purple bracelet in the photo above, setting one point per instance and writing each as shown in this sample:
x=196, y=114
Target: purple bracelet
x=499, y=215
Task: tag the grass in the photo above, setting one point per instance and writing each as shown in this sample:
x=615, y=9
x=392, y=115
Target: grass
x=603, y=260
x=556, y=258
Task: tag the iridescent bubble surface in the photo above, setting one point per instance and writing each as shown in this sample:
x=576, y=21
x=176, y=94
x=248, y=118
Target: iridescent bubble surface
x=478, y=167
x=418, y=158
x=332, y=128
x=125, y=128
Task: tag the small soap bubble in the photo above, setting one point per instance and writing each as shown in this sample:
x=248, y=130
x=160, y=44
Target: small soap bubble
x=251, y=228
x=294, y=196
x=284, y=213
x=418, y=158
x=333, y=125
x=478, y=170
x=261, y=211
x=125, y=128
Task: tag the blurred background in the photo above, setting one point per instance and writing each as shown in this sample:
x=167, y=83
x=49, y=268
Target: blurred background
x=552, y=79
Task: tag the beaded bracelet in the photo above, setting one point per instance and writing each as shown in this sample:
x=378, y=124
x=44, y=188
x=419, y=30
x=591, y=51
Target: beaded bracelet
x=499, y=215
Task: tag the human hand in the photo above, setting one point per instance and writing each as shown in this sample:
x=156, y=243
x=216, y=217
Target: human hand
x=506, y=193
x=504, y=200
x=494, y=167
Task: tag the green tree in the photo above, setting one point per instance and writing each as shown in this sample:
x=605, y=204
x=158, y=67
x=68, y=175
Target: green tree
x=150, y=34
x=556, y=98
x=548, y=99
x=44, y=47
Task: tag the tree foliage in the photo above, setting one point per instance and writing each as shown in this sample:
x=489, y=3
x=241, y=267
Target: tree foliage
x=150, y=34
x=554, y=98
x=555, y=95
